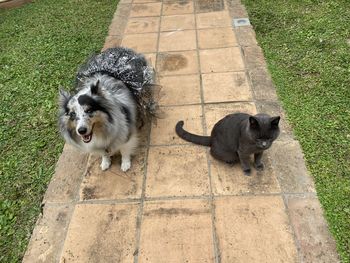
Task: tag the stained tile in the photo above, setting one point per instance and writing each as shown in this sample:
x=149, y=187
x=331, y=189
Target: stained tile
x=177, y=40
x=229, y=179
x=69, y=171
x=163, y=132
x=141, y=42
x=216, y=38
x=180, y=90
x=147, y=9
x=230, y=86
x=221, y=60
x=177, y=7
x=113, y=183
x=142, y=25
x=108, y=237
x=180, y=232
x=177, y=22
x=177, y=63
x=254, y=229
x=49, y=234
x=314, y=238
x=213, y=19
x=177, y=171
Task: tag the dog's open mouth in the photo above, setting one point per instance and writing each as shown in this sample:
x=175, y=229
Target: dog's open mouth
x=87, y=138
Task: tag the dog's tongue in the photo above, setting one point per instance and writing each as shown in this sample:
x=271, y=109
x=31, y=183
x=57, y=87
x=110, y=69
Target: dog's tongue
x=87, y=138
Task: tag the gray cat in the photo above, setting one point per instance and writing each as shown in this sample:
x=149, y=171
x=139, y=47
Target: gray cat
x=237, y=136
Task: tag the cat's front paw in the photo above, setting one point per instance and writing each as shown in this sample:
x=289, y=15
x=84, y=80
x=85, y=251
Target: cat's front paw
x=125, y=165
x=247, y=172
x=106, y=163
x=259, y=166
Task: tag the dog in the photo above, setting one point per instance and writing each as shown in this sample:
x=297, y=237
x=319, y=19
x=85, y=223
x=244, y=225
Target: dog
x=101, y=117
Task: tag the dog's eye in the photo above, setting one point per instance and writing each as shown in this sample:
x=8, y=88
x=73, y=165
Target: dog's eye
x=89, y=111
x=72, y=115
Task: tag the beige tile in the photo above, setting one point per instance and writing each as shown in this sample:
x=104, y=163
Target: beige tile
x=69, y=171
x=216, y=38
x=213, y=19
x=151, y=59
x=221, y=60
x=205, y=6
x=230, y=86
x=177, y=63
x=113, y=183
x=142, y=25
x=254, y=229
x=148, y=9
x=177, y=171
x=315, y=241
x=177, y=7
x=229, y=179
x=49, y=234
x=177, y=40
x=145, y=1
x=163, y=132
x=177, y=22
x=108, y=237
x=180, y=90
x=176, y=231
x=141, y=42
x=111, y=42
x=215, y=112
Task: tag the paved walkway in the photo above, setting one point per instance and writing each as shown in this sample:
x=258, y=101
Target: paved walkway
x=177, y=204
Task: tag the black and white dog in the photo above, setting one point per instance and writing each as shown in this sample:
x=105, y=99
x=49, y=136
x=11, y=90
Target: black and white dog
x=101, y=117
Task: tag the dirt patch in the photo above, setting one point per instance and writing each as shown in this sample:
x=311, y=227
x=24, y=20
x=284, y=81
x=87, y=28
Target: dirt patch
x=176, y=211
x=172, y=62
x=13, y=3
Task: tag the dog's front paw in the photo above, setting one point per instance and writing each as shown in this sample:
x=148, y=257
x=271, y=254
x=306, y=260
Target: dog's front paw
x=106, y=163
x=259, y=166
x=247, y=172
x=125, y=165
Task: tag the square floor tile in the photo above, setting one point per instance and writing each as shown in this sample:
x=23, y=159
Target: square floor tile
x=215, y=112
x=149, y=9
x=177, y=40
x=176, y=231
x=101, y=233
x=142, y=25
x=177, y=171
x=163, y=132
x=177, y=7
x=113, y=183
x=216, y=38
x=177, y=63
x=141, y=42
x=229, y=179
x=177, y=22
x=221, y=60
x=145, y=1
x=230, y=86
x=213, y=19
x=180, y=90
x=311, y=230
x=254, y=229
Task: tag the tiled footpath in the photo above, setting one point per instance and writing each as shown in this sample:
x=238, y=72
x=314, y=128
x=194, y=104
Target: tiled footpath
x=177, y=204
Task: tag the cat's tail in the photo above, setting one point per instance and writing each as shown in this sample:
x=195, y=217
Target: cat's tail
x=197, y=139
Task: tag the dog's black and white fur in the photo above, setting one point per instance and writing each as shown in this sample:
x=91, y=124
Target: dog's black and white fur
x=101, y=119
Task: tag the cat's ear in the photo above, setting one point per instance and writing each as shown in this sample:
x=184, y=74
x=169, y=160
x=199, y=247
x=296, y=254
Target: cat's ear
x=253, y=123
x=275, y=121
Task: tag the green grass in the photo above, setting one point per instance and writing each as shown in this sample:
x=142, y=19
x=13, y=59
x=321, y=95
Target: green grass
x=41, y=46
x=307, y=47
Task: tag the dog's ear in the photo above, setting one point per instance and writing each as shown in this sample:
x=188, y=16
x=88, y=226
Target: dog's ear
x=95, y=88
x=63, y=99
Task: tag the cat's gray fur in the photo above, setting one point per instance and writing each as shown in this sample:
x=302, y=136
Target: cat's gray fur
x=237, y=136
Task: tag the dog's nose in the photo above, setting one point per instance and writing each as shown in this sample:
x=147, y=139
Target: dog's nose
x=82, y=130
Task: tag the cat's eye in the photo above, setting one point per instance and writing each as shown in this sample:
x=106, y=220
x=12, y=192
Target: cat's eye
x=72, y=115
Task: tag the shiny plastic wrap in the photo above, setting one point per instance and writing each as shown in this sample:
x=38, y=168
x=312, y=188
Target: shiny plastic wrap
x=129, y=67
